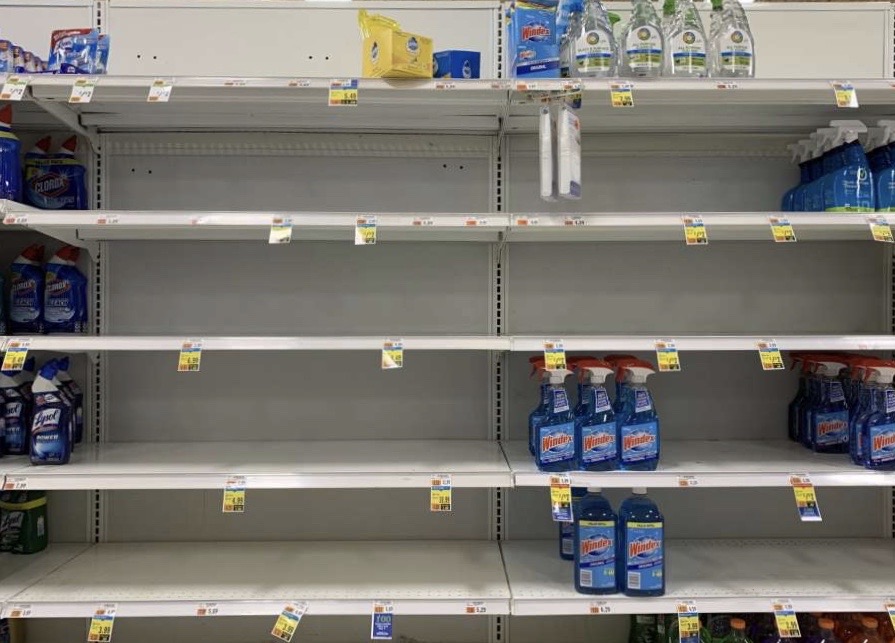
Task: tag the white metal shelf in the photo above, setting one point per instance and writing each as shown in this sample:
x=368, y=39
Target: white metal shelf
x=615, y=343
x=713, y=464
x=720, y=576
x=18, y=572
x=335, y=464
x=259, y=578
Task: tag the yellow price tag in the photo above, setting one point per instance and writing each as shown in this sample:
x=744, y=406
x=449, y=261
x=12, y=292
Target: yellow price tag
x=561, y=498
x=787, y=623
x=880, y=229
x=782, y=230
x=806, y=498
x=235, y=495
x=190, y=359
x=288, y=620
x=890, y=608
x=16, y=354
x=343, y=92
x=392, y=354
x=440, y=494
x=771, y=359
x=621, y=94
x=365, y=231
x=667, y=356
x=688, y=622
x=846, y=96
x=694, y=231
x=101, y=624
x=280, y=230
x=554, y=354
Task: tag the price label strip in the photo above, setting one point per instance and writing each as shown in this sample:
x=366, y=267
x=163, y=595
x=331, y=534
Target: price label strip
x=667, y=356
x=392, y=354
x=365, y=231
x=787, y=623
x=782, y=230
x=880, y=229
x=343, y=92
x=600, y=607
x=554, y=354
x=20, y=611
x=15, y=483
x=694, y=231
x=208, y=609
x=575, y=221
x=846, y=96
x=107, y=219
x=621, y=94
x=382, y=621
x=235, y=495
x=687, y=481
x=101, y=624
x=727, y=85
x=806, y=498
x=423, y=222
x=288, y=620
x=280, y=230
x=190, y=360
x=441, y=493
x=527, y=221
x=160, y=91
x=561, y=498
x=16, y=354
x=15, y=219
x=476, y=607
x=14, y=88
x=771, y=359
x=688, y=622
x=82, y=90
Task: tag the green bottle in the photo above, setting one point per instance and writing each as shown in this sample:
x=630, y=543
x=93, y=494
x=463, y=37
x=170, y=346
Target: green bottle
x=737, y=632
x=644, y=629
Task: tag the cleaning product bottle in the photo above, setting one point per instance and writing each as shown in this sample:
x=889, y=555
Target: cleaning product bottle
x=23, y=516
x=614, y=359
x=884, y=172
x=822, y=140
x=864, y=406
x=56, y=181
x=568, y=23
x=737, y=632
x=798, y=361
x=668, y=15
x=714, y=31
x=806, y=153
x=567, y=529
x=637, y=420
x=849, y=187
x=26, y=292
x=718, y=626
x=735, y=45
x=595, y=431
x=643, y=51
x=538, y=413
x=556, y=431
x=868, y=633
x=65, y=298
x=50, y=426
x=75, y=395
x=829, y=417
x=584, y=385
x=15, y=416
x=641, y=546
x=686, y=42
x=787, y=203
x=644, y=629
x=825, y=632
x=877, y=428
x=10, y=163
x=812, y=399
x=596, y=530
x=595, y=47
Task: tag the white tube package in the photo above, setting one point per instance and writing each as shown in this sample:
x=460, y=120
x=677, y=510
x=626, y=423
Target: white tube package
x=547, y=129
x=569, y=153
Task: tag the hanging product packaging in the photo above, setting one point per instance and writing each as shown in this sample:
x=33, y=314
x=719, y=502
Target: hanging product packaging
x=78, y=51
x=23, y=522
x=389, y=52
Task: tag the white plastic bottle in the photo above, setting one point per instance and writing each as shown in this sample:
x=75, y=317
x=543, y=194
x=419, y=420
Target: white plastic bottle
x=687, y=50
x=643, y=45
x=595, y=51
x=735, y=46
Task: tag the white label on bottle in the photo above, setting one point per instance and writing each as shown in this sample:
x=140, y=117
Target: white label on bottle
x=688, y=51
x=593, y=52
x=736, y=51
x=644, y=48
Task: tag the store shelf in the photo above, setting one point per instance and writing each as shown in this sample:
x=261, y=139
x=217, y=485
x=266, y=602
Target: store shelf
x=616, y=343
x=21, y=571
x=336, y=464
x=704, y=464
x=259, y=578
x=720, y=576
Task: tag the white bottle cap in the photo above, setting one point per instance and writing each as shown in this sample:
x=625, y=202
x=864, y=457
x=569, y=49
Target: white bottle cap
x=594, y=489
x=639, y=490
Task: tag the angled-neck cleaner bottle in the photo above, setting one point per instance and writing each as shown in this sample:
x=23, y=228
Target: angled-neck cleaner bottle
x=556, y=432
x=643, y=44
x=596, y=533
x=537, y=414
x=686, y=42
x=584, y=384
x=614, y=359
x=596, y=434
x=884, y=172
x=788, y=202
x=594, y=45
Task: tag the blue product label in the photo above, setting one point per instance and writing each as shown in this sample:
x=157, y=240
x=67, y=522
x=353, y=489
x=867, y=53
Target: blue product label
x=645, y=558
x=382, y=626
x=60, y=303
x=882, y=443
x=640, y=442
x=50, y=432
x=557, y=442
x=14, y=432
x=25, y=300
x=836, y=392
x=567, y=537
x=560, y=401
x=596, y=555
x=598, y=443
x=890, y=401
x=55, y=184
x=642, y=401
x=831, y=428
x=602, y=400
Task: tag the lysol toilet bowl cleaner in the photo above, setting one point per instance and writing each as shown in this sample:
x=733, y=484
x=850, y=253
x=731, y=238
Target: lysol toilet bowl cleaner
x=877, y=431
x=75, y=394
x=595, y=431
x=50, y=426
x=567, y=529
x=69, y=400
x=10, y=158
x=65, y=298
x=26, y=292
x=56, y=181
x=637, y=420
x=641, y=546
x=829, y=416
x=596, y=533
x=556, y=432
x=849, y=188
x=15, y=416
x=538, y=413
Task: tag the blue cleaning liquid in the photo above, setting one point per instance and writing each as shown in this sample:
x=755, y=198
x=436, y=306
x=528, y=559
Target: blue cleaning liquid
x=865, y=406
x=641, y=545
x=884, y=176
x=812, y=399
x=10, y=158
x=51, y=424
x=790, y=203
x=596, y=531
x=567, y=529
x=829, y=419
x=596, y=433
x=638, y=430
x=556, y=433
x=536, y=417
x=849, y=187
x=878, y=432
x=794, y=408
x=65, y=298
x=26, y=292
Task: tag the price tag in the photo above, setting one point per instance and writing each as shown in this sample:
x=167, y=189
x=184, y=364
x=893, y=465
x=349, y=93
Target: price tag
x=280, y=230
x=806, y=498
x=621, y=94
x=343, y=92
x=688, y=622
x=15, y=483
x=600, y=607
x=771, y=359
x=574, y=221
x=382, y=622
x=528, y=86
x=472, y=222
x=235, y=495
x=14, y=88
x=880, y=229
x=208, y=609
x=727, y=85
x=16, y=354
x=890, y=608
x=299, y=82
x=687, y=481
x=365, y=231
x=423, y=222
x=787, y=623
x=561, y=498
x=392, y=354
x=82, y=90
x=235, y=82
x=159, y=91
x=694, y=231
x=288, y=620
x=101, y=624
x=476, y=607
x=441, y=84
x=20, y=611
x=846, y=96
x=110, y=219
x=554, y=354
x=782, y=230
x=190, y=356
x=15, y=219
x=440, y=494
x=527, y=221
x=666, y=356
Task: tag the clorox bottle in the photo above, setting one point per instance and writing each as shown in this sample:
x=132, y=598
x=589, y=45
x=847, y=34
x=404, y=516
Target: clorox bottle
x=596, y=531
x=555, y=434
x=636, y=419
x=596, y=439
x=641, y=546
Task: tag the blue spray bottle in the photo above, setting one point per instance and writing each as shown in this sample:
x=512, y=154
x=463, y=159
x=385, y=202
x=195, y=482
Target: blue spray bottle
x=51, y=424
x=636, y=419
x=596, y=438
x=596, y=546
x=15, y=416
x=877, y=430
x=641, y=552
x=538, y=413
x=883, y=166
x=864, y=405
x=584, y=385
x=10, y=158
x=614, y=360
x=828, y=426
x=849, y=187
x=822, y=163
x=567, y=529
x=556, y=432
x=787, y=204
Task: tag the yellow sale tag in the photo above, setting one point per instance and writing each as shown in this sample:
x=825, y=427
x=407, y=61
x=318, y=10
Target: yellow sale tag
x=16, y=354
x=554, y=354
x=190, y=359
x=235, y=495
x=440, y=495
x=561, y=498
x=14, y=88
x=806, y=498
x=280, y=230
x=159, y=91
x=880, y=229
x=782, y=230
x=890, y=608
x=621, y=94
x=288, y=620
x=688, y=622
x=101, y=624
x=787, y=623
x=392, y=354
x=666, y=356
x=771, y=359
x=846, y=96
x=365, y=231
x=694, y=231
x=343, y=92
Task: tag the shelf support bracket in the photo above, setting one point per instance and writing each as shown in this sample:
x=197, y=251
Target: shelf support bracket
x=68, y=117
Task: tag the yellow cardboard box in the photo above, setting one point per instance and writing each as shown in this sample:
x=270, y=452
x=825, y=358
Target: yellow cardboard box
x=389, y=52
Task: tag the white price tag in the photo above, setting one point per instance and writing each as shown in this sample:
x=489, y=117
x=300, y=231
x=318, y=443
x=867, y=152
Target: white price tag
x=600, y=607
x=476, y=607
x=472, y=222
x=15, y=219
x=575, y=221
x=160, y=91
x=107, y=219
x=19, y=610
x=441, y=84
x=687, y=481
x=15, y=483
x=423, y=222
x=208, y=609
x=82, y=90
x=527, y=221
x=14, y=88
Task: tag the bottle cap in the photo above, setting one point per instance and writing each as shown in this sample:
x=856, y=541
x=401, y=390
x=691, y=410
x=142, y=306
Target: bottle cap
x=826, y=623
x=594, y=489
x=869, y=622
x=6, y=116
x=738, y=624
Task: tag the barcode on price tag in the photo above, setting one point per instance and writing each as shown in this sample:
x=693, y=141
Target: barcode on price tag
x=208, y=609
x=621, y=94
x=288, y=620
x=101, y=624
x=561, y=498
x=343, y=92
x=235, y=495
x=688, y=622
x=441, y=493
x=476, y=607
x=787, y=623
x=806, y=498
